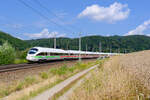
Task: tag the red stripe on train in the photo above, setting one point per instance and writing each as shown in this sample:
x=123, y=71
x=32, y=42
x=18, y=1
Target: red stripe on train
x=68, y=56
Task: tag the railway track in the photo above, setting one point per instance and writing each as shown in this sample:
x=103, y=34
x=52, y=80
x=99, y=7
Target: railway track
x=14, y=67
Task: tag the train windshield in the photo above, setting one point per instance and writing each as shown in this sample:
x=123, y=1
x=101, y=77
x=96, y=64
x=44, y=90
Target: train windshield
x=33, y=51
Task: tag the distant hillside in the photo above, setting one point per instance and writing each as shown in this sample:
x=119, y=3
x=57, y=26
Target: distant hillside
x=15, y=42
x=117, y=43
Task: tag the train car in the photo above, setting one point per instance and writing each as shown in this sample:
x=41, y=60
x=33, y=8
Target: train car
x=37, y=54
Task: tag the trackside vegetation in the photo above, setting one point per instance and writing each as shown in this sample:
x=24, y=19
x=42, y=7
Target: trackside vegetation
x=39, y=83
x=8, y=55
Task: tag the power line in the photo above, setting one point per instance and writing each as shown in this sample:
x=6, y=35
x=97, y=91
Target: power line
x=42, y=15
x=46, y=9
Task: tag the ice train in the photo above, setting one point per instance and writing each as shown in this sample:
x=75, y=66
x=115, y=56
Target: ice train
x=37, y=54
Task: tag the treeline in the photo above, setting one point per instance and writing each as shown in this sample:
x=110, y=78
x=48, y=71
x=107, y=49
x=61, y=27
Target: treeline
x=15, y=42
x=14, y=51
x=91, y=43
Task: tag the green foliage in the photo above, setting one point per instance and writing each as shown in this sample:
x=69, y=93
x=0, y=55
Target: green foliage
x=15, y=42
x=22, y=54
x=20, y=86
x=7, y=54
x=64, y=69
x=59, y=71
x=117, y=43
x=20, y=61
x=29, y=80
x=44, y=75
x=26, y=82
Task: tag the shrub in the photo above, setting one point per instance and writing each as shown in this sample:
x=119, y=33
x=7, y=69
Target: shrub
x=25, y=83
x=29, y=80
x=59, y=71
x=7, y=54
x=44, y=75
x=19, y=61
x=20, y=86
x=22, y=54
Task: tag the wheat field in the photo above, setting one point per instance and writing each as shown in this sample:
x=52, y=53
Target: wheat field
x=124, y=77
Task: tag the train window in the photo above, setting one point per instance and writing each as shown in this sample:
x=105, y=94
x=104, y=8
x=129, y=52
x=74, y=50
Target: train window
x=66, y=54
x=58, y=54
x=53, y=54
x=42, y=54
x=33, y=51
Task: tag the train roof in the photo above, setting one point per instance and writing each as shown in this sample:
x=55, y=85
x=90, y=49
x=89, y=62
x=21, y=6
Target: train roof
x=44, y=49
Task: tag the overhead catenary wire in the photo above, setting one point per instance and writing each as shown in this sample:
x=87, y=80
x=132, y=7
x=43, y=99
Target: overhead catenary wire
x=42, y=15
x=50, y=12
x=47, y=18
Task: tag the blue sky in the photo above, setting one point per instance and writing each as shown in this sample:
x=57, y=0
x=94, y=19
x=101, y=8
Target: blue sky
x=91, y=17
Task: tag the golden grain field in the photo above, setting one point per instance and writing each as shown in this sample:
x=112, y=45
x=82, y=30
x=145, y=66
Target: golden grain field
x=125, y=77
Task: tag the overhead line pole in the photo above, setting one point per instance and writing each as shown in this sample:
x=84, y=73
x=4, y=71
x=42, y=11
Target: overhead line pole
x=55, y=41
x=86, y=48
x=80, y=47
x=110, y=48
x=100, y=48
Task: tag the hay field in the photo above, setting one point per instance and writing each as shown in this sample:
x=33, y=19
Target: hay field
x=125, y=77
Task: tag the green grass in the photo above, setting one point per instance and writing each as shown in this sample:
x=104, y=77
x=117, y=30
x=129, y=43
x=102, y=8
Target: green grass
x=44, y=75
x=25, y=83
x=63, y=72
x=64, y=69
x=40, y=90
x=59, y=71
x=20, y=61
x=18, y=86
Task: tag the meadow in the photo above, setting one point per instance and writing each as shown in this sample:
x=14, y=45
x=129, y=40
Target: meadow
x=30, y=86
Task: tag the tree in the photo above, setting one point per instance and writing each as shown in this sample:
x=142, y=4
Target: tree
x=7, y=54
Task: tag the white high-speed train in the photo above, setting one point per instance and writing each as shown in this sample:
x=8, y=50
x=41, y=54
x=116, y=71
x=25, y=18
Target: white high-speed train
x=37, y=54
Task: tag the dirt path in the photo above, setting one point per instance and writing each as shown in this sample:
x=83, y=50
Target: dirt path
x=47, y=95
x=67, y=94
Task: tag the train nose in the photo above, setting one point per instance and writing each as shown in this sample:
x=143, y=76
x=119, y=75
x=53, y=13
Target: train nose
x=29, y=58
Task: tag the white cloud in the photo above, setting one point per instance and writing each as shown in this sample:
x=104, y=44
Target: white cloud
x=44, y=34
x=114, y=12
x=139, y=30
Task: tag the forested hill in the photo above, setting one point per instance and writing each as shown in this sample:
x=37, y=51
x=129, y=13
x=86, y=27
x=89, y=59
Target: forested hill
x=15, y=42
x=116, y=43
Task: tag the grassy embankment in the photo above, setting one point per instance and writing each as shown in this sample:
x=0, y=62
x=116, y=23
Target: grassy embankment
x=33, y=85
x=113, y=81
